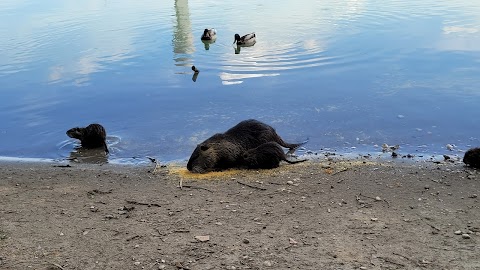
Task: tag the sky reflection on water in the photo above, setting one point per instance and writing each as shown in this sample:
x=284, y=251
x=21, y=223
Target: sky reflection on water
x=342, y=73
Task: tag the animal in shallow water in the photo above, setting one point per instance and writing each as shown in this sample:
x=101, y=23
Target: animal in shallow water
x=194, y=68
x=266, y=156
x=246, y=40
x=209, y=34
x=225, y=150
x=472, y=158
x=92, y=136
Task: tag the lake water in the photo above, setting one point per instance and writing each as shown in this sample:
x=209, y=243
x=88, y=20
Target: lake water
x=348, y=75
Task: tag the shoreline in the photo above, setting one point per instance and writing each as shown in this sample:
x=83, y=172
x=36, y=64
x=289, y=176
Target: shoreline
x=355, y=214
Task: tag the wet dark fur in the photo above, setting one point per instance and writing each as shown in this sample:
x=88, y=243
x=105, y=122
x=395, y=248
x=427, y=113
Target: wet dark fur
x=265, y=156
x=472, y=158
x=224, y=150
x=92, y=136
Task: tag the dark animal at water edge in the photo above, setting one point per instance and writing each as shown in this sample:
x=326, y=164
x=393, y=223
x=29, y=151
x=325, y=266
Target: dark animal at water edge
x=225, y=150
x=92, y=136
x=266, y=156
x=472, y=158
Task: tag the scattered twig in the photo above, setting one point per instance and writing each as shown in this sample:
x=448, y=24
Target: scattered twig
x=99, y=191
x=406, y=258
x=181, y=231
x=432, y=226
x=180, y=183
x=375, y=199
x=195, y=187
x=260, y=188
x=157, y=164
x=339, y=171
x=273, y=183
x=386, y=259
x=140, y=203
x=57, y=265
x=132, y=238
x=62, y=166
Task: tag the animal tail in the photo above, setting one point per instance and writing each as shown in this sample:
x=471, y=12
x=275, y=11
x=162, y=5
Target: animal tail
x=295, y=161
x=293, y=146
x=106, y=148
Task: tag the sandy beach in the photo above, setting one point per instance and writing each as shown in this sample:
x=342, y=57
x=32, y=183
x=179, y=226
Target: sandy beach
x=315, y=215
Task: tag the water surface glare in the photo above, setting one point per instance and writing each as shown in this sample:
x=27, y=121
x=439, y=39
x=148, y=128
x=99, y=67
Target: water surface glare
x=348, y=75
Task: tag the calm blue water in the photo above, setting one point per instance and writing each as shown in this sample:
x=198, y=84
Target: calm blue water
x=348, y=75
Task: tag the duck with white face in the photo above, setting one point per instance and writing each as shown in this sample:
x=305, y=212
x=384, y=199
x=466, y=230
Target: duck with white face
x=209, y=34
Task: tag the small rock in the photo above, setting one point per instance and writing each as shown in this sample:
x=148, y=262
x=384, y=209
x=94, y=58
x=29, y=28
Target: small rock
x=202, y=238
x=267, y=263
x=161, y=266
x=458, y=232
x=246, y=241
x=289, y=182
x=473, y=196
x=466, y=236
x=374, y=219
x=293, y=242
x=378, y=198
x=450, y=147
x=136, y=263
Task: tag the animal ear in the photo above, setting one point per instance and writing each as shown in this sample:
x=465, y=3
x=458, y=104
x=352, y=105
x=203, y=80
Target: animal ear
x=203, y=147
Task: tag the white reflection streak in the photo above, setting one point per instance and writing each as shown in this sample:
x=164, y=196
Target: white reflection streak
x=237, y=78
x=182, y=36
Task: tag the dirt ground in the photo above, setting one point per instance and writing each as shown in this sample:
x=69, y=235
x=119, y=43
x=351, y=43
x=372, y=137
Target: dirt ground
x=314, y=215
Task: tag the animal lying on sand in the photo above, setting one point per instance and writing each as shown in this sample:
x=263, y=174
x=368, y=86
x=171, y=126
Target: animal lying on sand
x=472, y=158
x=224, y=150
x=266, y=156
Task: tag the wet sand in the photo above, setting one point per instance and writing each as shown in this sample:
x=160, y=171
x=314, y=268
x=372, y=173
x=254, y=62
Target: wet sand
x=315, y=215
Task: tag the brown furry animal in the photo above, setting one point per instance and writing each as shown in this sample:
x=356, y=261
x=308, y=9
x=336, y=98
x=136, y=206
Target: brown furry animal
x=266, y=156
x=472, y=158
x=92, y=136
x=224, y=150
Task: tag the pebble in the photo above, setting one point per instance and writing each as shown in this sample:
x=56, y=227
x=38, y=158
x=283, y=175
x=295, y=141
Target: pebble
x=473, y=196
x=246, y=241
x=458, y=232
x=378, y=198
x=374, y=219
x=136, y=263
x=267, y=263
x=466, y=236
x=290, y=182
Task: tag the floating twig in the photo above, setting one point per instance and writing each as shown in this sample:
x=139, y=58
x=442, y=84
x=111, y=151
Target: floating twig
x=251, y=186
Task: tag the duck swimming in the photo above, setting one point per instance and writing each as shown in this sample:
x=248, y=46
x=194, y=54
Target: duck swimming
x=246, y=40
x=209, y=34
